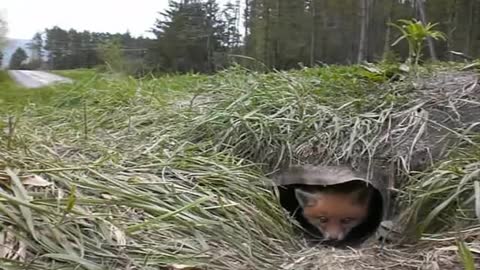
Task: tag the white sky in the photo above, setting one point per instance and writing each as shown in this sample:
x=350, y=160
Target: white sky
x=26, y=17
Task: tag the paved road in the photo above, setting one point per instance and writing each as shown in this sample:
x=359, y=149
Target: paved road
x=35, y=78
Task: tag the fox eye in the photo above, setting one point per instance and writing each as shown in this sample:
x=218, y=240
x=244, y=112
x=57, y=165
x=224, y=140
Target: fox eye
x=346, y=220
x=322, y=219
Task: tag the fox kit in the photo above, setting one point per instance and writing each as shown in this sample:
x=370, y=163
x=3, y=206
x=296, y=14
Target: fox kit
x=335, y=210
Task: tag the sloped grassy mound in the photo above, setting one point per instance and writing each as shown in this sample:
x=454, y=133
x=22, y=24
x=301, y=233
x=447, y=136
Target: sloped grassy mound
x=344, y=114
x=284, y=117
x=135, y=174
x=447, y=196
x=104, y=184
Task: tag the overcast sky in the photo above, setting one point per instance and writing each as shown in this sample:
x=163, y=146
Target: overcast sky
x=26, y=17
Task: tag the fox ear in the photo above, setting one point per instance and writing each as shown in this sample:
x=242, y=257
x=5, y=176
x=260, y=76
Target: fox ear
x=305, y=198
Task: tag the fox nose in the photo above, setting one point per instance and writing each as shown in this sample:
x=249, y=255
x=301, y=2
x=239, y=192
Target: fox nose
x=334, y=236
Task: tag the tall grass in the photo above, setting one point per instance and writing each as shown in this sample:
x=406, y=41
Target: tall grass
x=122, y=190
x=284, y=117
x=445, y=197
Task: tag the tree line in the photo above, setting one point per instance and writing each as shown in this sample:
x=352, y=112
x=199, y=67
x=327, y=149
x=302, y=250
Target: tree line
x=284, y=34
x=202, y=36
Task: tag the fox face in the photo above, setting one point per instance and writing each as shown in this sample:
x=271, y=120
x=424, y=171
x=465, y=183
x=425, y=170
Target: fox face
x=334, y=214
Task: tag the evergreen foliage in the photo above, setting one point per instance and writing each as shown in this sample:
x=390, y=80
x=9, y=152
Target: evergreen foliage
x=205, y=36
x=18, y=59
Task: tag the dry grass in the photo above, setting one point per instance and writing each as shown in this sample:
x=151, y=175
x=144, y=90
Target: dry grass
x=113, y=174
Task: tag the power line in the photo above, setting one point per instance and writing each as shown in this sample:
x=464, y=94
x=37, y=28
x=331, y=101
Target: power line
x=92, y=49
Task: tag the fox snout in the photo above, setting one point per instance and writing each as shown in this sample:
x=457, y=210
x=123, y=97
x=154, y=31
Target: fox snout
x=335, y=235
x=334, y=214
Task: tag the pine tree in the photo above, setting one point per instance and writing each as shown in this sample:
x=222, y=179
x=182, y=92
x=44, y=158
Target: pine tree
x=188, y=35
x=57, y=42
x=36, y=45
x=36, y=48
x=231, y=15
x=18, y=59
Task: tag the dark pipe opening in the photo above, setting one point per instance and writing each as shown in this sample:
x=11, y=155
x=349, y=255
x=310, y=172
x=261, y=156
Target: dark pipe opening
x=356, y=236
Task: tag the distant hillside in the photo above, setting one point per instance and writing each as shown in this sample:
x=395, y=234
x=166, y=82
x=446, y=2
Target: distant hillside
x=12, y=45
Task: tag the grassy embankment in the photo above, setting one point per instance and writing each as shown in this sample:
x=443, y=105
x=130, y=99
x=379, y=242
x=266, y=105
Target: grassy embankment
x=119, y=173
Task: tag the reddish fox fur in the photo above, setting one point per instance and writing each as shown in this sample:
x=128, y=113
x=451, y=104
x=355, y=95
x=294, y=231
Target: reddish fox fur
x=335, y=210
